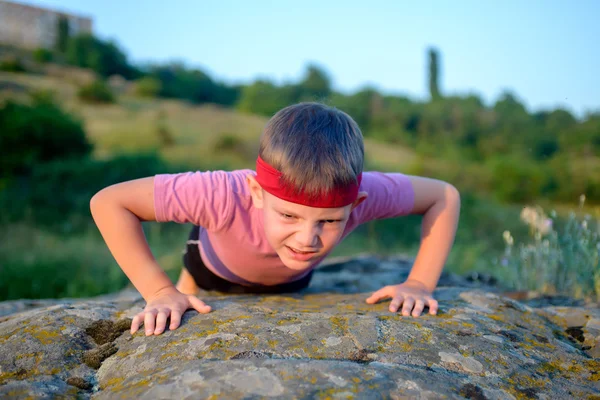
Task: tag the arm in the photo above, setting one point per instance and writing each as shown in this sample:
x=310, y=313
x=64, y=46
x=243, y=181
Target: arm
x=439, y=203
x=118, y=211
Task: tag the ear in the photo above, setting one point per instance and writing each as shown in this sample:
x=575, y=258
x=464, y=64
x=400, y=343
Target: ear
x=255, y=191
x=362, y=196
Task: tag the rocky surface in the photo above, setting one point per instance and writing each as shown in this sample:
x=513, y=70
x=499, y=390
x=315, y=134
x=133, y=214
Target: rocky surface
x=323, y=343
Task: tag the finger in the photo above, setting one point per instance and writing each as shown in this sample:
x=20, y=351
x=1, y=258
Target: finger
x=175, y=319
x=136, y=322
x=409, y=302
x=419, y=306
x=383, y=293
x=396, y=301
x=433, y=306
x=161, y=320
x=199, y=305
x=149, y=320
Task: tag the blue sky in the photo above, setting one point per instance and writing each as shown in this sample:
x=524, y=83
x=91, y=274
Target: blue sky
x=547, y=52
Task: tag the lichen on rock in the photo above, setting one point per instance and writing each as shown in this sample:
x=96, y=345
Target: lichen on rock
x=323, y=342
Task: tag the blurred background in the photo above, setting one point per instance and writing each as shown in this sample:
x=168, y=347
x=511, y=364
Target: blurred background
x=499, y=99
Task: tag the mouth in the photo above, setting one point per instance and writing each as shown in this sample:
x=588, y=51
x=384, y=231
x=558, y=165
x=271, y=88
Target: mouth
x=300, y=255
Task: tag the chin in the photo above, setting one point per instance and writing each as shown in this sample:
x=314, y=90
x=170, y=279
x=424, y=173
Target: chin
x=296, y=264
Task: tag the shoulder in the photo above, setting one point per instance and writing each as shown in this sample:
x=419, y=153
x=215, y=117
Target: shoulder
x=421, y=192
x=377, y=183
x=205, y=198
x=389, y=194
x=428, y=191
x=237, y=180
x=233, y=180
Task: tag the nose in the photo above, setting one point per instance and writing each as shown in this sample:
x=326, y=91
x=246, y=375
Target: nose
x=308, y=236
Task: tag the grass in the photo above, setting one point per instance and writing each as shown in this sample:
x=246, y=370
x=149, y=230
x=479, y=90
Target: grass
x=557, y=257
x=40, y=264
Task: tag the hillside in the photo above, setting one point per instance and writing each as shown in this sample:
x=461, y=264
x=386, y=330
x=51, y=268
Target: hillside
x=192, y=137
x=200, y=132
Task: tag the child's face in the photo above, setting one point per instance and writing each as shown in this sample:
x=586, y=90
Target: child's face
x=300, y=234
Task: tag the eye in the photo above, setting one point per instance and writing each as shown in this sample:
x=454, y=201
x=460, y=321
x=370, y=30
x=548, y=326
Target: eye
x=332, y=221
x=286, y=216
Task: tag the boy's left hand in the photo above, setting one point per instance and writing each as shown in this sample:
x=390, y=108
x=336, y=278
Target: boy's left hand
x=412, y=294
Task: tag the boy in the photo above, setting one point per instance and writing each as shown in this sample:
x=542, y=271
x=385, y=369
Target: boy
x=265, y=231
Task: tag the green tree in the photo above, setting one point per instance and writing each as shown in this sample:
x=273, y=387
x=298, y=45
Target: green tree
x=316, y=84
x=357, y=105
x=62, y=34
x=96, y=92
x=177, y=81
x=265, y=98
x=38, y=133
x=434, y=72
x=105, y=58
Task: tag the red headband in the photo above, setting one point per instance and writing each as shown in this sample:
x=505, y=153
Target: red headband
x=270, y=180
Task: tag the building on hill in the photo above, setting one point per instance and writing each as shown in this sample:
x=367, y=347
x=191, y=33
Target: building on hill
x=33, y=27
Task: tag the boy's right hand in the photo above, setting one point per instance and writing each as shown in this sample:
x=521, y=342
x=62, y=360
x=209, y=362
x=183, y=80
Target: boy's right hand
x=171, y=302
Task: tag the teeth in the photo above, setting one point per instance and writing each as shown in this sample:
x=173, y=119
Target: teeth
x=298, y=251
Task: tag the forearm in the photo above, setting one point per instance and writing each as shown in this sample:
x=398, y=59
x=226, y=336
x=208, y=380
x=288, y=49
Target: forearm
x=122, y=231
x=437, y=236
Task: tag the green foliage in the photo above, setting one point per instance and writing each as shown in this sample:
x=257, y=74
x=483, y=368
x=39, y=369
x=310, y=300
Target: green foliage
x=64, y=188
x=265, y=98
x=316, y=84
x=96, y=92
x=434, y=75
x=55, y=266
x=231, y=143
x=177, y=81
x=147, y=87
x=42, y=55
x=357, y=105
x=516, y=179
x=105, y=58
x=560, y=257
x=38, y=263
x=62, y=35
x=12, y=64
x=38, y=133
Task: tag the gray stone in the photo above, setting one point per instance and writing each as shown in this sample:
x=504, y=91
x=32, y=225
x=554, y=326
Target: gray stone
x=323, y=342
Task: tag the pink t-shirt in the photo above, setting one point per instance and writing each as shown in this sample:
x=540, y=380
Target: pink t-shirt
x=232, y=241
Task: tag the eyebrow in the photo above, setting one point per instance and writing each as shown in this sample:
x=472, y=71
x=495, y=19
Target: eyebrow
x=288, y=212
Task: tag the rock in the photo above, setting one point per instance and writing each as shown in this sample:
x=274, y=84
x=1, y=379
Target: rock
x=324, y=342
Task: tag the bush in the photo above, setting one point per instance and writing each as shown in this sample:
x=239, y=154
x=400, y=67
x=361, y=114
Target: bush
x=38, y=133
x=12, y=64
x=41, y=264
x=147, y=87
x=229, y=143
x=42, y=55
x=563, y=258
x=103, y=57
x=516, y=179
x=96, y=92
x=58, y=194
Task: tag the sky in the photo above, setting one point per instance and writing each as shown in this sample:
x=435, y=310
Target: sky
x=546, y=52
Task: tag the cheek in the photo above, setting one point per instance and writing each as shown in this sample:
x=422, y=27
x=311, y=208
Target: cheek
x=332, y=236
x=275, y=230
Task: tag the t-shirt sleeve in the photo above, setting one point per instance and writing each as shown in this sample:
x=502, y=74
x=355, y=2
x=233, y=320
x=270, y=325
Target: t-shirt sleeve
x=200, y=198
x=390, y=194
